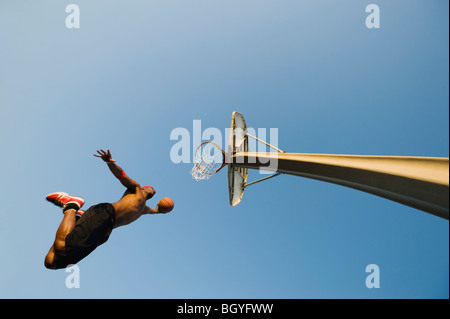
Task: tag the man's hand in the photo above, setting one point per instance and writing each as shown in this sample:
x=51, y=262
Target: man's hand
x=117, y=171
x=105, y=156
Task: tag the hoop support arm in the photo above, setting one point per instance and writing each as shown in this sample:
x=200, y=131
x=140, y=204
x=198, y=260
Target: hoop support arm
x=254, y=137
x=262, y=179
x=419, y=182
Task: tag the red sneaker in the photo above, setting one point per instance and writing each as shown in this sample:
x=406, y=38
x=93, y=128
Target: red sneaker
x=61, y=199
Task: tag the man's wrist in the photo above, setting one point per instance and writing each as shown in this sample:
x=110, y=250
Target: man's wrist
x=122, y=175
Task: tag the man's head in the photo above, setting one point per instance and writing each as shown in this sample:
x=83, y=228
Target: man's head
x=148, y=192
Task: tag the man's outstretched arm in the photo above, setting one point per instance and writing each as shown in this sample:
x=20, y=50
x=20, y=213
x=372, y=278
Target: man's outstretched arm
x=149, y=210
x=117, y=171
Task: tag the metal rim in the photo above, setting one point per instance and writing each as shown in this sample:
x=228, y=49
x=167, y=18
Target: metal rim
x=223, y=157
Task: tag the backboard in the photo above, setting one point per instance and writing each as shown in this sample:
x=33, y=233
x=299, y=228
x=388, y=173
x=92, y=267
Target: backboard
x=238, y=142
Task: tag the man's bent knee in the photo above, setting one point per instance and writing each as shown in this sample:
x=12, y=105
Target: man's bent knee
x=49, y=260
x=52, y=262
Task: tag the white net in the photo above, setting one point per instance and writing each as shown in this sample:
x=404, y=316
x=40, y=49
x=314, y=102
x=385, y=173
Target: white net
x=208, y=160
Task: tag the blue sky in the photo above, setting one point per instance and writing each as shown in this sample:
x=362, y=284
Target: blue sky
x=136, y=70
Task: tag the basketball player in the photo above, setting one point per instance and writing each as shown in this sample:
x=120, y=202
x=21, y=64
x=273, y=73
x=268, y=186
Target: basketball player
x=80, y=232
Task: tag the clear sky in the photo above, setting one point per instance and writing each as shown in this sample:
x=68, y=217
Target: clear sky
x=136, y=70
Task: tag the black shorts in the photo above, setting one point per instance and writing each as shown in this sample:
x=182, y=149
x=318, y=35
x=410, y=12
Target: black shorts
x=91, y=230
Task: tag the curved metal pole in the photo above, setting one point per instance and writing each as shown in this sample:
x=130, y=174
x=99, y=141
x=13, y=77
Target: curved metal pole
x=419, y=182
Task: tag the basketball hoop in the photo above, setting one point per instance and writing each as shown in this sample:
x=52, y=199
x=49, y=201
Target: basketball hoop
x=209, y=158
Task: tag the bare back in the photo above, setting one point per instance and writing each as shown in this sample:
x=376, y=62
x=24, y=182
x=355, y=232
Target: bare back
x=130, y=207
x=132, y=204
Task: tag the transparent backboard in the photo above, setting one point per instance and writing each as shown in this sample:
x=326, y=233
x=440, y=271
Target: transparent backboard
x=237, y=176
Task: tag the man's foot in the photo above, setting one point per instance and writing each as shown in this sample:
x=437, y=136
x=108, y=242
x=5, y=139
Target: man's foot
x=65, y=201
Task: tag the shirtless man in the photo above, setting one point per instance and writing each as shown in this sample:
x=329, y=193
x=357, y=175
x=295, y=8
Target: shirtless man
x=80, y=232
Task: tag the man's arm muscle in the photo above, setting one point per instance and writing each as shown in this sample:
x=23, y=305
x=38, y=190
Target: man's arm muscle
x=117, y=171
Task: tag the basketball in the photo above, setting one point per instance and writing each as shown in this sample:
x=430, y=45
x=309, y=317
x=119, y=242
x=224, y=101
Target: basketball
x=165, y=205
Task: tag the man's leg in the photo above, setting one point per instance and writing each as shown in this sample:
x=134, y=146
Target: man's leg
x=70, y=206
x=64, y=229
